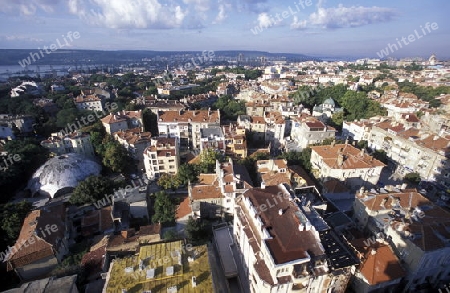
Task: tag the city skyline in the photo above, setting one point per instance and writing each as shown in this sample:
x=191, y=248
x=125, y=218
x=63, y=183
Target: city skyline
x=315, y=28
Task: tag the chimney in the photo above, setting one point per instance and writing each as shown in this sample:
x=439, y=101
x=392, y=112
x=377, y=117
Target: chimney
x=280, y=212
x=340, y=159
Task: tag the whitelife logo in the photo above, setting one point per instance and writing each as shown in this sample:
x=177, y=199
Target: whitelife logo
x=35, y=56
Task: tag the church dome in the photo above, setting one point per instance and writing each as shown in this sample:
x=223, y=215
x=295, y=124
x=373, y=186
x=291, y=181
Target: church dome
x=330, y=102
x=62, y=172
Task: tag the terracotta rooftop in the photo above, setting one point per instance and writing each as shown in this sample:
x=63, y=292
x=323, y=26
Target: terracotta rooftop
x=134, y=136
x=197, y=116
x=41, y=246
x=121, y=116
x=379, y=263
x=353, y=157
x=288, y=243
x=184, y=208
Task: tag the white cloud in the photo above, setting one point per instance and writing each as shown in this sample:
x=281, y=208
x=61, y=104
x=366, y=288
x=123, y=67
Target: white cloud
x=222, y=14
x=199, y=5
x=27, y=7
x=21, y=38
x=264, y=20
x=296, y=24
x=123, y=14
x=353, y=16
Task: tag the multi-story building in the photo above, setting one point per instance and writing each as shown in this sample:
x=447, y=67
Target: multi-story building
x=214, y=194
x=122, y=120
x=309, y=130
x=413, y=150
x=75, y=142
x=275, y=128
x=415, y=228
x=212, y=138
x=357, y=130
x=161, y=157
x=257, y=108
x=135, y=141
x=186, y=125
x=235, y=141
x=89, y=102
x=282, y=250
x=346, y=163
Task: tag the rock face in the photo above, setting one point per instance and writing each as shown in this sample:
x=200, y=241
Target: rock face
x=62, y=172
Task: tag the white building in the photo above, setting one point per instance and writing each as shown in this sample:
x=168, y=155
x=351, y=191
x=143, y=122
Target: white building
x=75, y=142
x=186, y=125
x=416, y=230
x=309, y=130
x=122, y=120
x=280, y=249
x=161, y=157
x=346, y=163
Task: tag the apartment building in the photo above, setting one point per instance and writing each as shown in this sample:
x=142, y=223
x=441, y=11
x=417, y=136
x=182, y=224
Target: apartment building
x=415, y=228
x=122, y=120
x=281, y=250
x=346, y=163
x=212, y=138
x=309, y=130
x=75, y=142
x=161, y=156
x=235, y=141
x=92, y=102
x=186, y=125
x=413, y=150
x=135, y=142
x=214, y=194
x=275, y=128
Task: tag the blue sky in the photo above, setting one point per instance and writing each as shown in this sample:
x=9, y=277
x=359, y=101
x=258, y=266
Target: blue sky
x=313, y=27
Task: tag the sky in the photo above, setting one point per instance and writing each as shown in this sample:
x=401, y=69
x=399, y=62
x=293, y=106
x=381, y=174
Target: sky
x=313, y=27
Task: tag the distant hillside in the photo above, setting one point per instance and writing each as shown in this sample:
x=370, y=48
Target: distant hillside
x=72, y=57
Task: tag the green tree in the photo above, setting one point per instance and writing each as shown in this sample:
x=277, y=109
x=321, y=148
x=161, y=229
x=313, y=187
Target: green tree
x=164, y=209
x=168, y=181
x=208, y=159
x=381, y=156
x=92, y=189
x=186, y=173
x=11, y=219
x=117, y=159
x=197, y=231
x=413, y=178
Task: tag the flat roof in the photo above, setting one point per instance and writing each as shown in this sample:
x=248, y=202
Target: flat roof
x=224, y=240
x=148, y=270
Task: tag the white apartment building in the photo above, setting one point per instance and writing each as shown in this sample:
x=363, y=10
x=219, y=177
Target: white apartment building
x=416, y=229
x=309, y=130
x=89, y=102
x=75, y=142
x=275, y=128
x=186, y=125
x=161, y=157
x=281, y=251
x=346, y=163
x=122, y=120
x=413, y=150
x=212, y=138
